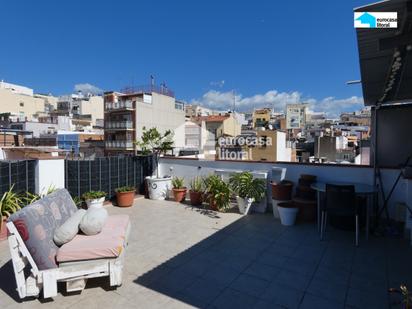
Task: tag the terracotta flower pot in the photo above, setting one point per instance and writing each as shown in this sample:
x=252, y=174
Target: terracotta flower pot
x=3, y=229
x=195, y=198
x=125, y=199
x=282, y=191
x=179, y=194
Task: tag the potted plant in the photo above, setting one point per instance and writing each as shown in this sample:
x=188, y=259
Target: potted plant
x=10, y=203
x=125, y=196
x=179, y=190
x=218, y=193
x=287, y=213
x=196, y=191
x=247, y=189
x=94, y=198
x=154, y=143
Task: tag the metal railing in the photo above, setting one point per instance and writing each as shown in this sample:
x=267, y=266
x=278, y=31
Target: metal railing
x=119, y=144
x=162, y=89
x=119, y=105
x=125, y=124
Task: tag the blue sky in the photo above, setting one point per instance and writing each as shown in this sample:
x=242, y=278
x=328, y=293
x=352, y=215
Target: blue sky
x=269, y=52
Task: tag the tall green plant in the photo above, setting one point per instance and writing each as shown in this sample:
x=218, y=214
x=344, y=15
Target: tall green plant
x=10, y=203
x=178, y=182
x=218, y=191
x=196, y=185
x=153, y=142
x=245, y=186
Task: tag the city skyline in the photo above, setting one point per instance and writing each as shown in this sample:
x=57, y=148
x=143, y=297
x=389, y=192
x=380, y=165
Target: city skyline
x=241, y=51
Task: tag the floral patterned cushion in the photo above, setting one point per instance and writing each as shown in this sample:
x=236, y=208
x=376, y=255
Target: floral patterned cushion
x=37, y=222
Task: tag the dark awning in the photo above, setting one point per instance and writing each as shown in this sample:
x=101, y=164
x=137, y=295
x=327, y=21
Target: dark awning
x=385, y=56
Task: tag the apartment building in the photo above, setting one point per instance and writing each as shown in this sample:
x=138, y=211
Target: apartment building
x=261, y=117
x=22, y=103
x=270, y=146
x=296, y=116
x=128, y=112
x=79, y=106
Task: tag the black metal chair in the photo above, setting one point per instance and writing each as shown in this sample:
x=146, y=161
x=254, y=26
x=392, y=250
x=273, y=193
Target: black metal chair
x=340, y=200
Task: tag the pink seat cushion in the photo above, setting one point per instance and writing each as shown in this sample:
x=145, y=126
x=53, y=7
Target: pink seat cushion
x=109, y=243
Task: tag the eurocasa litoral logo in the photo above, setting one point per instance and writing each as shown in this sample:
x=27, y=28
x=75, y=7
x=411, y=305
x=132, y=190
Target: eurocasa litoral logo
x=376, y=20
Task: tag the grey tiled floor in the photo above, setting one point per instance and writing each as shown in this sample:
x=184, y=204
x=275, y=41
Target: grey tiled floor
x=180, y=257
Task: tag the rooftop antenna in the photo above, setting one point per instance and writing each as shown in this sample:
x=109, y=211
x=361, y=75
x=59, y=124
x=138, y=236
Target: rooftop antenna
x=152, y=81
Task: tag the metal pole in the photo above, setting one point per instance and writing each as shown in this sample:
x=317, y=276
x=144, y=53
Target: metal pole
x=90, y=175
x=110, y=177
x=9, y=174
x=127, y=174
x=100, y=174
x=78, y=178
x=134, y=173
x=118, y=171
x=27, y=176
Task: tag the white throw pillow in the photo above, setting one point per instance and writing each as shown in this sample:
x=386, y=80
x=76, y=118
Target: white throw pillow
x=93, y=221
x=68, y=229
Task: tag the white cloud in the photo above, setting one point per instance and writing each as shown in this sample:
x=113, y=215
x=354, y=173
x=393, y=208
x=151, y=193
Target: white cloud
x=224, y=101
x=219, y=83
x=87, y=88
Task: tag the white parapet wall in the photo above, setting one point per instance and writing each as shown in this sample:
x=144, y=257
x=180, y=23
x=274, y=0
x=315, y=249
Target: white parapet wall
x=49, y=173
x=189, y=168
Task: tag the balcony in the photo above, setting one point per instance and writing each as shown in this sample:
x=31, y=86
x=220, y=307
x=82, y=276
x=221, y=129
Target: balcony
x=119, y=106
x=125, y=144
x=119, y=125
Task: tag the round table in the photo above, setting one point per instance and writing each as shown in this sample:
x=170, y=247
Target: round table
x=360, y=189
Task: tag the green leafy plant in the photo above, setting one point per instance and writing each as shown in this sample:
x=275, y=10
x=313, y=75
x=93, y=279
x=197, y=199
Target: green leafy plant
x=178, y=183
x=245, y=186
x=77, y=201
x=218, y=192
x=153, y=142
x=93, y=195
x=10, y=203
x=196, y=185
x=125, y=189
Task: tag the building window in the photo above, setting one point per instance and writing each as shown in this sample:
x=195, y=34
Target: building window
x=179, y=106
x=21, y=104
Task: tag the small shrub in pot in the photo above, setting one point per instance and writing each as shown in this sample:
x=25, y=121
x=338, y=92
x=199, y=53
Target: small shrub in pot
x=196, y=191
x=179, y=190
x=125, y=196
x=94, y=198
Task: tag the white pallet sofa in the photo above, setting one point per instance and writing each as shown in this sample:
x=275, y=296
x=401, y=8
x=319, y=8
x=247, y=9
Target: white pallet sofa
x=31, y=279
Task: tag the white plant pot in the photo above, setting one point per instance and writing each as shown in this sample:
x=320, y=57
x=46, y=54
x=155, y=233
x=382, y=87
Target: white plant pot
x=244, y=204
x=95, y=203
x=287, y=215
x=159, y=188
x=275, y=208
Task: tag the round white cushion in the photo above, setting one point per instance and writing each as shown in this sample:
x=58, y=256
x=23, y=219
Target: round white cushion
x=68, y=229
x=93, y=221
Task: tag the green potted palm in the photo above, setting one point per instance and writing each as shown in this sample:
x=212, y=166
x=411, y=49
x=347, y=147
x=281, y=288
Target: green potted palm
x=248, y=190
x=10, y=203
x=125, y=196
x=154, y=143
x=179, y=190
x=218, y=193
x=94, y=199
x=196, y=191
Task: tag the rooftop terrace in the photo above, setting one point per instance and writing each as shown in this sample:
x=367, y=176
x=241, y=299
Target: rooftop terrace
x=180, y=257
